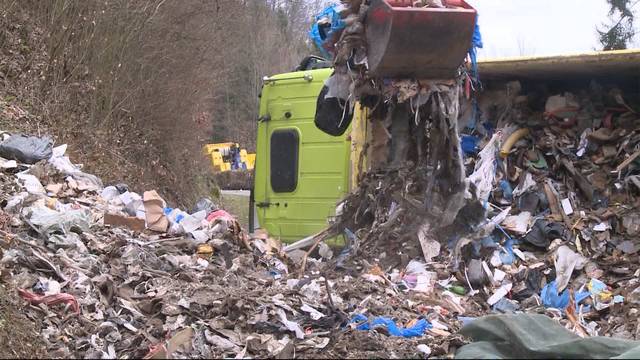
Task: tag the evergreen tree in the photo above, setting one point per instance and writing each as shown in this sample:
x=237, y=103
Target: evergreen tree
x=620, y=31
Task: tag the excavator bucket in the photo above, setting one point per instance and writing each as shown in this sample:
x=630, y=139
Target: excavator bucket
x=418, y=42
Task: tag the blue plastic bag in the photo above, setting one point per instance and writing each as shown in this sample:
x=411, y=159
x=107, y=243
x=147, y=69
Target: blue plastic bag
x=167, y=211
x=551, y=298
x=581, y=296
x=469, y=144
x=505, y=306
x=507, y=256
x=476, y=43
x=507, y=191
x=319, y=35
x=489, y=242
x=416, y=330
x=347, y=251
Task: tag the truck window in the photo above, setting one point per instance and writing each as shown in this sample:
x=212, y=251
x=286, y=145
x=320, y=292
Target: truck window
x=284, y=160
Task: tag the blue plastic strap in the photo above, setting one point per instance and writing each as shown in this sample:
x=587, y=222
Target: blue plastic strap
x=418, y=329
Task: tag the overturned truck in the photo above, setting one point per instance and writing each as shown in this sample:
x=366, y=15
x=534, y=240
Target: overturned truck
x=514, y=182
x=326, y=168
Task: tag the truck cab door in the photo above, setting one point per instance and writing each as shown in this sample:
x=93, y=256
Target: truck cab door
x=301, y=173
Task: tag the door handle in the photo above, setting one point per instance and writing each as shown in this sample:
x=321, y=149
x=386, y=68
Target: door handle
x=266, y=204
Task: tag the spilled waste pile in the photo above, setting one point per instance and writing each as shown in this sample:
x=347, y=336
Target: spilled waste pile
x=503, y=201
x=550, y=219
x=105, y=272
x=525, y=206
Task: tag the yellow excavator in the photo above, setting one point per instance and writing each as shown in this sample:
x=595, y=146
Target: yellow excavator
x=229, y=156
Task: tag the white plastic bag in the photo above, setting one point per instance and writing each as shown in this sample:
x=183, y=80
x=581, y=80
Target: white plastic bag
x=32, y=184
x=64, y=165
x=47, y=221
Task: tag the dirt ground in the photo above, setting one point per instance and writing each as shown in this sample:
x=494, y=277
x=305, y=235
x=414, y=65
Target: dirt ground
x=18, y=337
x=237, y=203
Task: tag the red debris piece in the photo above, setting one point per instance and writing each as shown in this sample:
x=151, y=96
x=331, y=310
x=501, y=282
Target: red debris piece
x=219, y=214
x=36, y=299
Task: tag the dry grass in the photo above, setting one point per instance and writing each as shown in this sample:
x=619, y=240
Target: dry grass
x=137, y=87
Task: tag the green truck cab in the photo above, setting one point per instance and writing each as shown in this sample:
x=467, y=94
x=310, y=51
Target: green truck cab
x=300, y=172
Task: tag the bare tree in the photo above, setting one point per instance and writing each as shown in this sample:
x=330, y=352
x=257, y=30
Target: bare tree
x=137, y=87
x=523, y=49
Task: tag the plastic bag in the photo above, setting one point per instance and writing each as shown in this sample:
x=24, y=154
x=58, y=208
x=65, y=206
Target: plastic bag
x=338, y=84
x=193, y=222
x=36, y=299
x=552, y=299
x=469, y=144
x=220, y=214
x=48, y=221
x=175, y=217
x=64, y=165
x=485, y=170
x=562, y=106
x=476, y=43
x=205, y=204
x=69, y=241
x=32, y=184
x=326, y=28
x=333, y=115
x=566, y=260
x=109, y=193
x=418, y=329
x=122, y=188
x=133, y=204
x=26, y=149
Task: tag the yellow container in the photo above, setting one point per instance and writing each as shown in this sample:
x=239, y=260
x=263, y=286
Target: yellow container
x=251, y=161
x=204, y=251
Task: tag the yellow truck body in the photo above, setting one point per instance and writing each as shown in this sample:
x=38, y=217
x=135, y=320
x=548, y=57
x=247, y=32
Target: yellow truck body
x=220, y=159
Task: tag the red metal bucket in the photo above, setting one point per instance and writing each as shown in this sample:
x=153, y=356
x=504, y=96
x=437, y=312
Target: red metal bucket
x=413, y=42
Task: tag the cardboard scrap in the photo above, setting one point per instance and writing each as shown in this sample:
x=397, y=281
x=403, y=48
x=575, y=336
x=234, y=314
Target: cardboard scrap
x=165, y=350
x=154, y=208
x=54, y=188
x=130, y=222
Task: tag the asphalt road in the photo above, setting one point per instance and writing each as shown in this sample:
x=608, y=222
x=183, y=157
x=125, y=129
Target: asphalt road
x=236, y=192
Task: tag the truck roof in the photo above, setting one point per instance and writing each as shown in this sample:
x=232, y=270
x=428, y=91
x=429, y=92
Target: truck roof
x=321, y=73
x=619, y=63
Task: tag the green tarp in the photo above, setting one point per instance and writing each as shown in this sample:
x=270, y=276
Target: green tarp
x=537, y=337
